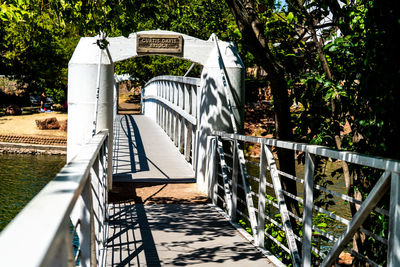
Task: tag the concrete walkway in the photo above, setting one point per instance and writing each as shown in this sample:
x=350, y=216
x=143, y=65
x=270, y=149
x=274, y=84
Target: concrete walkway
x=145, y=163
x=144, y=153
x=176, y=235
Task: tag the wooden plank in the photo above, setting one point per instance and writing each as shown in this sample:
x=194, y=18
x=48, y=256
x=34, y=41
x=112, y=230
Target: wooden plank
x=308, y=209
x=283, y=209
x=373, y=198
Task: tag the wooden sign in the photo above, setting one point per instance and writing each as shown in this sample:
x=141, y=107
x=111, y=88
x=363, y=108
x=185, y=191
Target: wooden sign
x=159, y=44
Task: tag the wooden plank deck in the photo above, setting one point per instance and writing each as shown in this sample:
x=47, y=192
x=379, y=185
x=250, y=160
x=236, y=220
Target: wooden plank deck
x=144, y=153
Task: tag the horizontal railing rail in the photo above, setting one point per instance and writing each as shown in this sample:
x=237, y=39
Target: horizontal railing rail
x=265, y=213
x=172, y=102
x=73, y=203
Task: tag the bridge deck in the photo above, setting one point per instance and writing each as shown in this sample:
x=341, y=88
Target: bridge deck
x=165, y=234
x=176, y=235
x=144, y=153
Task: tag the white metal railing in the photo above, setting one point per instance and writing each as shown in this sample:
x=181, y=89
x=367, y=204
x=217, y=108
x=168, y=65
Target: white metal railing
x=172, y=102
x=74, y=202
x=231, y=189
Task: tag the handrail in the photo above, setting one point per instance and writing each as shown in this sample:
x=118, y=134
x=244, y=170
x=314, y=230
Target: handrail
x=40, y=235
x=172, y=103
x=174, y=107
x=224, y=184
x=350, y=157
x=179, y=79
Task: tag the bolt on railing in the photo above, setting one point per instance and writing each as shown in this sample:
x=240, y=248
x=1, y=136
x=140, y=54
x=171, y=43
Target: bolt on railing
x=269, y=219
x=41, y=233
x=172, y=102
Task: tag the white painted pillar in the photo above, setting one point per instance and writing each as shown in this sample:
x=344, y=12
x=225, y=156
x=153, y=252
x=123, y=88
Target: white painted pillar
x=82, y=78
x=212, y=104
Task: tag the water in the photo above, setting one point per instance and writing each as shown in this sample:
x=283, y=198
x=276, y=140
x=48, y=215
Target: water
x=340, y=208
x=21, y=178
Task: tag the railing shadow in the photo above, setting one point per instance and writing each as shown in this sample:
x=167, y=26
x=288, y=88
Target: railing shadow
x=131, y=156
x=175, y=234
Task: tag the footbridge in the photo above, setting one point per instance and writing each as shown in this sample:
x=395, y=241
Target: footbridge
x=189, y=135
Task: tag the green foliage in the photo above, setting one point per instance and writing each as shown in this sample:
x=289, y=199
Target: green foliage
x=39, y=37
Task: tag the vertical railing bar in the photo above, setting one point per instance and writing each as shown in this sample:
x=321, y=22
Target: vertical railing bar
x=211, y=165
x=215, y=172
x=170, y=121
x=174, y=114
x=283, y=208
x=247, y=189
x=235, y=167
x=68, y=244
x=369, y=203
x=261, y=197
x=158, y=103
x=186, y=104
x=181, y=126
x=164, y=106
x=393, y=256
x=224, y=170
x=308, y=208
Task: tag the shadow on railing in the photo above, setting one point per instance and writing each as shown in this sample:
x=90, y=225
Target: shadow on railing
x=172, y=102
x=325, y=227
x=73, y=204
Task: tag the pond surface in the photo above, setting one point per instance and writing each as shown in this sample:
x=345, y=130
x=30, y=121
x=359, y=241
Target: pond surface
x=21, y=178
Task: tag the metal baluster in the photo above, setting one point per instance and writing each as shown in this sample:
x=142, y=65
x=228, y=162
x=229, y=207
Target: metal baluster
x=394, y=223
x=308, y=209
x=283, y=208
x=222, y=163
x=261, y=197
x=235, y=170
x=187, y=128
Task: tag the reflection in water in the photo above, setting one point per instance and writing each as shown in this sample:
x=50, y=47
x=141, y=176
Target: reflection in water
x=21, y=178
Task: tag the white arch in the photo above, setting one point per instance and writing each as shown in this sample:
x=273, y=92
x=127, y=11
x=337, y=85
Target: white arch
x=212, y=111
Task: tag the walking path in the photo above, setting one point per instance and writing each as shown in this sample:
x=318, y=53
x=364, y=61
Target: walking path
x=148, y=168
x=144, y=153
x=176, y=235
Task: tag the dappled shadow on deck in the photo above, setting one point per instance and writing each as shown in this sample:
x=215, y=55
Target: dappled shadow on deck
x=143, y=152
x=175, y=235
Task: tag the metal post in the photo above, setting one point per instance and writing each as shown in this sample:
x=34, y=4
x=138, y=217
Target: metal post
x=214, y=180
x=308, y=208
x=283, y=209
x=235, y=170
x=261, y=198
x=394, y=223
x=369, y=203
x=223, y=165
x=247, y=190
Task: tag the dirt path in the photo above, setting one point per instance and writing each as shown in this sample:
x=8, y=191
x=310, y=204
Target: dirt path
x=24, y=125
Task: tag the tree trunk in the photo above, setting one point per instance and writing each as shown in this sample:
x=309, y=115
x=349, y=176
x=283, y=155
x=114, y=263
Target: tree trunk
x=253, y=38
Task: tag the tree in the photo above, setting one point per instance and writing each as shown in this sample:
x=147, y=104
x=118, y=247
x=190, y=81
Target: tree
x=254, y=39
